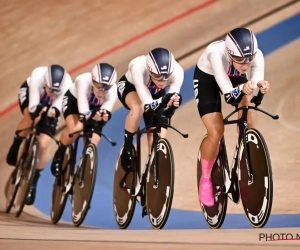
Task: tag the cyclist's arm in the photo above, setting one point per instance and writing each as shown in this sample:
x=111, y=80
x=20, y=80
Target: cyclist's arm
x=176, y=79
x=35, y=87
x=83, y=89
x=138, y=80
x=110, y=98
x=257, y=70
x=220, y=74
x=58, y=100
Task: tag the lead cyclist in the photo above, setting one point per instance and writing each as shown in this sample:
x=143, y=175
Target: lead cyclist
x=222, y=69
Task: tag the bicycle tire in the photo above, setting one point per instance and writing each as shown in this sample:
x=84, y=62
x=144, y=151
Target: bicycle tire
x=159, y=198
x=13, y=181
x=124, y=202
x=11, y=189
x=256, y=192
x=215, y=215
x=82, y=196
x=27, y=175
x=59, y=191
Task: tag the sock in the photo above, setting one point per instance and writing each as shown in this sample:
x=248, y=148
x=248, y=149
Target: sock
x=60, y=151
x=128, y=138
x=36, y=177
x=207, y=167
x=61, y=148
x=17, y=140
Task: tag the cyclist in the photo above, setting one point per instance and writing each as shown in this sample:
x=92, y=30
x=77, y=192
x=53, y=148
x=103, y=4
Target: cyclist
x=40, y=100
x=88, y=103
x=222, y=68
x=151, y=83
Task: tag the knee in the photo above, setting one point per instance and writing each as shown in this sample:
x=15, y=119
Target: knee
x=73, y=124
x=136, y=111
x=26, y=116
x=216, y=133
x=44, y=144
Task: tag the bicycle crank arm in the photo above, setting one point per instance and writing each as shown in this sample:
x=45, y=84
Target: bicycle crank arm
x=144, y=212
x=234, y=189
x=123, y=181
x=132, y=191
x=227, y=182
x=68, y=187
x=137, y=189
x=140, y=191
x=220, y=190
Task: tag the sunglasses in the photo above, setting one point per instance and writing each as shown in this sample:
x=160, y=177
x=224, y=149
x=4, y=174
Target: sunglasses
x=51, y=90
x=160, y=77
x=239, y=59
x=101, y=86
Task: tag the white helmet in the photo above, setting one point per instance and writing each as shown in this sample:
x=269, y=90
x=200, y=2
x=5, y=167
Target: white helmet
x=160, y=63
x=104, y=73
x=54, y=77
x=241, y=45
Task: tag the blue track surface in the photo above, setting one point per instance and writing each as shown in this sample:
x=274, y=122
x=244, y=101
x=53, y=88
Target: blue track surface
x=101, y=213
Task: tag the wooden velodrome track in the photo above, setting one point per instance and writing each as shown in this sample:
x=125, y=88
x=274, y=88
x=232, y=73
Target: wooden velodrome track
x=78, y=34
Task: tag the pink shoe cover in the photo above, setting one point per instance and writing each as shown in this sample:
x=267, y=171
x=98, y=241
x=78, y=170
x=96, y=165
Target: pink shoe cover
x=206, y=195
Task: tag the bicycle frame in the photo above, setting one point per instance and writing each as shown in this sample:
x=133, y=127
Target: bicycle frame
x=243, y=126
x=142, y=177
x=87, y=135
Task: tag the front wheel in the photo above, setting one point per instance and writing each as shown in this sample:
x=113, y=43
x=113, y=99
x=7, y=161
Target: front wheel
x=12, y=184
x=11, y=189
x=27, y=171
x=160, y=184
x=256, y=183
x=84, y=182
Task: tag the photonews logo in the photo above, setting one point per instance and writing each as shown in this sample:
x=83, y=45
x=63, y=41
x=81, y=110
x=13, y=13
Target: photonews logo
x=278, y=236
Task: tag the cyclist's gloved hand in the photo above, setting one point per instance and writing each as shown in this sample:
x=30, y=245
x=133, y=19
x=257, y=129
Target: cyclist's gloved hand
x=166, y=99
x=174, y=103
x=176, y=100
x=234, y=97
x=153, y=106
x=257, y=99
x=102, y=117
x=103, y=114
x=53, y=119
x=264, y=86
x=37, y=110
x=87, y=115
x=169, y=112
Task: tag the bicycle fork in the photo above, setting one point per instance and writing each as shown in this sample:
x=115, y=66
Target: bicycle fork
x=138, y=190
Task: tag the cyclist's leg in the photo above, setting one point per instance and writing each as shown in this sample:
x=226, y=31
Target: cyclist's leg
x=26, y=122
x=129, y=98
x=209, y=106
x=72, y=125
